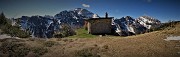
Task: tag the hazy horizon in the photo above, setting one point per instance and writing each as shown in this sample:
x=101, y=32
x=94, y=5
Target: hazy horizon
x=163, y=10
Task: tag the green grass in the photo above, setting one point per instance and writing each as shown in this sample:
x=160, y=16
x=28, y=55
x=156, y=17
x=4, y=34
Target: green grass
x=82, y=33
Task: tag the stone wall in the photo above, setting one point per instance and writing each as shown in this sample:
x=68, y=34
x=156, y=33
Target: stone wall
x=99, y=26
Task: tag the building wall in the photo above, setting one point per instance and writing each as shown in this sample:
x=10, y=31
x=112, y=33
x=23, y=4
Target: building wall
x=99, y=26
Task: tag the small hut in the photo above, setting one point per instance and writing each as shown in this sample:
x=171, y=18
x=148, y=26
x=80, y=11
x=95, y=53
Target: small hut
x=101, y=25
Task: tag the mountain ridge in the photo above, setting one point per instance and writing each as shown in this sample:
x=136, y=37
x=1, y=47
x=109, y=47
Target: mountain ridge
x=46, y=26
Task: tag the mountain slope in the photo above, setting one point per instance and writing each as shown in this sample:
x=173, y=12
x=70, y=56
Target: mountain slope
x=74, y=17
x=144, y=45
x=128, y=26
x=46, y=26
x=149, y=22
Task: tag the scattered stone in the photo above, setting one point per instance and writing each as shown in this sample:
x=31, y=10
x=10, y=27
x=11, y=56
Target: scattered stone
x=177, y=46
x=100, y=35
x=178, y=52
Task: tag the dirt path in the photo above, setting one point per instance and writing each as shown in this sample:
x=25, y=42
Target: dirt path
x=4, y=36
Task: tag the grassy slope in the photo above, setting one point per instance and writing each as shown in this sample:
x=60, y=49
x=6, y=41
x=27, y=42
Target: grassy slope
x=143, y=45
x=82, y=33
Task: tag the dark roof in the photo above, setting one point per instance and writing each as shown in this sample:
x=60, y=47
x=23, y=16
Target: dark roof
x=99, y=18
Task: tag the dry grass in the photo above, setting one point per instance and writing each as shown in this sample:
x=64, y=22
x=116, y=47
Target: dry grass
x=143, y=45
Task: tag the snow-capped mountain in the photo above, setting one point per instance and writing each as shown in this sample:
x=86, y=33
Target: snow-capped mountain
x=128, y=26
x=45, y=26
x=38, y=26
x=84, y=12
x=149, y=22
x=74, y=17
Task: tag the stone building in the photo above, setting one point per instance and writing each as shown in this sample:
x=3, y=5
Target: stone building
x=101, y=25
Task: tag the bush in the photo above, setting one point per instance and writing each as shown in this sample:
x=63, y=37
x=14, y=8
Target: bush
x=14, y=49
x=170, y=24
x=49, y=43
x=14, y=31
x=19, y=49
x=65, y=31
x=39, y=50
x=105, y=47
x=88, y=52
x=58, y=35
x=22, y=34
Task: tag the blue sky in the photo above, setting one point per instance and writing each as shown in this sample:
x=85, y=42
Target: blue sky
x=163, y=10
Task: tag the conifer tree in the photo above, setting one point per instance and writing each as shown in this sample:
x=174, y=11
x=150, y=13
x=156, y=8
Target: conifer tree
x=3, y=20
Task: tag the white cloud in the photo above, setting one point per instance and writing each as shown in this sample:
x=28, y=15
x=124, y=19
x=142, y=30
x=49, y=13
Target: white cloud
x=85, y=5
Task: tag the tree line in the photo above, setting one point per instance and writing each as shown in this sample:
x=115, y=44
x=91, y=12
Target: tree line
x=7, y=28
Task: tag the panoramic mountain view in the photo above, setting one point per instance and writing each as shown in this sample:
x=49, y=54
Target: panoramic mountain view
x=89, y=28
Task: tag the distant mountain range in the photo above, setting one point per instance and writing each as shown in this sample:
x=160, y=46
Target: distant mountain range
x=46, y=26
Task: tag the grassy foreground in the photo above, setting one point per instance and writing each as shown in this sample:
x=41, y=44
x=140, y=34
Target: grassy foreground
x=144, y=45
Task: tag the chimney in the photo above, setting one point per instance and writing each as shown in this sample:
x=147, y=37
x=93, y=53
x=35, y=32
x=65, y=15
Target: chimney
x=106, y=15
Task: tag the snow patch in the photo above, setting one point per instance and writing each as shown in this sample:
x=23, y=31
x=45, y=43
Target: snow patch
x=172, y=38
x=95, y=16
